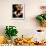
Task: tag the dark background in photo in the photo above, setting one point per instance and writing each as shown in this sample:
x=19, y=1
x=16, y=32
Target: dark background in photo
x=17, y=11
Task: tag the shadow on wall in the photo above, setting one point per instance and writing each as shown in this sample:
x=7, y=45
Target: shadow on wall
x=34, y=22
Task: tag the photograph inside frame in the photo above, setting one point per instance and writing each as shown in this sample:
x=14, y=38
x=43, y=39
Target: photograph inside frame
x=18, y=11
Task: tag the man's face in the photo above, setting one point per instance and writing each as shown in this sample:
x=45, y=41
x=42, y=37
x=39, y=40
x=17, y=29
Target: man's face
x=19, y=7
x=44, y=10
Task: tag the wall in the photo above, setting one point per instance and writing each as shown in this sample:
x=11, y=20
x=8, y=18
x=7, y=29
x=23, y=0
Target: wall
x=27, y=26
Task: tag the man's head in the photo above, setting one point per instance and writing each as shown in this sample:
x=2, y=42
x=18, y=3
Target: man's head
x=19, y=7
x=43, y=8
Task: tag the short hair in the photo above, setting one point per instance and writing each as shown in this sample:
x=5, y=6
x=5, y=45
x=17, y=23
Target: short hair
x=42, y=7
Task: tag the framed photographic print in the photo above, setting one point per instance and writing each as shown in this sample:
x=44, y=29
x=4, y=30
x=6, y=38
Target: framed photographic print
x=18, y=11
